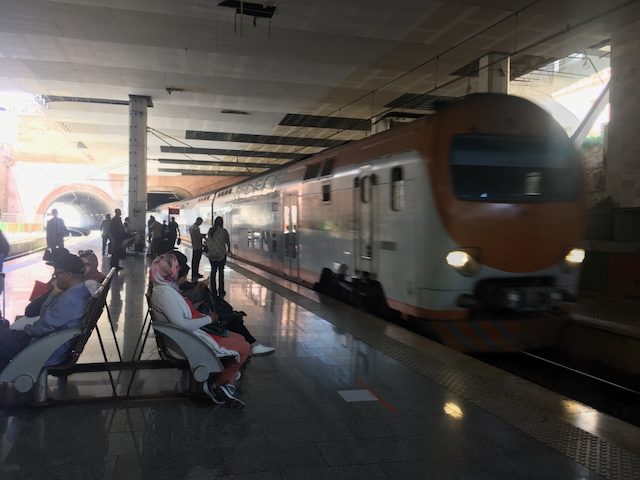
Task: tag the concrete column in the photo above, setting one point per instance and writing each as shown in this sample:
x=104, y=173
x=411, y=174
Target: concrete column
x=137, y=204
x=622, y=163
x=494, y=74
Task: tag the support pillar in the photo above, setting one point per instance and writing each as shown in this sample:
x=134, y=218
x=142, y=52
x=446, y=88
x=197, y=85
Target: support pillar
x=138, y=167
x=622, y=163
x=494, y=73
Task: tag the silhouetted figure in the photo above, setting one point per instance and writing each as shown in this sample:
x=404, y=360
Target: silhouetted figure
x=173, y=231
x=104, y=229
x=56, y=231
x=196, y=245
x=218, y=245
x=116, y=234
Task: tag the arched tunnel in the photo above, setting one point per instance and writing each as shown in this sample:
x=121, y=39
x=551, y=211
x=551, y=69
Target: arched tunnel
x=86, y=210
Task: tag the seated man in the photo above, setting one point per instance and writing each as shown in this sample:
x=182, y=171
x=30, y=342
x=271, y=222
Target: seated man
x=66, y=310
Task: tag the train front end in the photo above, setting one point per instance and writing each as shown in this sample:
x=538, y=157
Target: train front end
x=508, y=187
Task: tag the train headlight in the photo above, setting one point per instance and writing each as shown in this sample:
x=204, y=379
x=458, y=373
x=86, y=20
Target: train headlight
x=462, y=261
x=575, y=256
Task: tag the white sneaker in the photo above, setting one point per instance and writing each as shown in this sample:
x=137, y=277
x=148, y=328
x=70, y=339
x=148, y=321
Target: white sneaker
x=259, y=349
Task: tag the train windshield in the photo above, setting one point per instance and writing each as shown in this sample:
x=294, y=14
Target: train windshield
x=514, y=169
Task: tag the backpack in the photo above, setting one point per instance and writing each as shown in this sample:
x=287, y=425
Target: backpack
x=216, y=245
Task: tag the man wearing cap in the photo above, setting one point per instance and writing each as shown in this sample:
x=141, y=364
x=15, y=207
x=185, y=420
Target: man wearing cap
x=65, y=310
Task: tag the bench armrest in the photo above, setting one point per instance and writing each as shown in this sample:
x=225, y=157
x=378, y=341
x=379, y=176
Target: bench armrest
x=202, y=360
x=25, y=368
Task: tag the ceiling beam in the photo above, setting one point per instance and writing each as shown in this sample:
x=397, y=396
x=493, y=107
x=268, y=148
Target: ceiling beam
x=217, y=163
x=204, y=173
x=231, y=153
x=262, y=139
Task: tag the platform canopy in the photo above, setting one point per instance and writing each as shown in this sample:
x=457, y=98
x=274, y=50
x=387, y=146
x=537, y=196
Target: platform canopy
x=260, y=84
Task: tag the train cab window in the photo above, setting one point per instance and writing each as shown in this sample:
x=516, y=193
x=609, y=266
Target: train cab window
x=397, y=189
x=514, y=169
x=326, y=193
x=365, y=186
x=327, y=166
x=312, y=171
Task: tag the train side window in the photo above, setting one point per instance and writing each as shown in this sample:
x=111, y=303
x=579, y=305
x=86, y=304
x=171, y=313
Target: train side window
x=312, y=171
x=274, y=242
x=397, y=189
x=364, y=189
x=326, y=193
x=327, y=166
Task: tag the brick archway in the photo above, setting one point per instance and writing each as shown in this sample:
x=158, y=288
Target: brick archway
x=76, y=188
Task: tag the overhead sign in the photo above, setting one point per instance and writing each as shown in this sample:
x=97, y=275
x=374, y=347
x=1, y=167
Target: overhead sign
x=174, y=211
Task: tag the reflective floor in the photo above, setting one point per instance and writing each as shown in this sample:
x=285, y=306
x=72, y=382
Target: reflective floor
x=345, y=396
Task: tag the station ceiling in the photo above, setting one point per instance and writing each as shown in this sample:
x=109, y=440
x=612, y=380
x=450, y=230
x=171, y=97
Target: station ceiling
x=237, y=87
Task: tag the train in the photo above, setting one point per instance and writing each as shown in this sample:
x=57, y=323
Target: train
x=466, y=222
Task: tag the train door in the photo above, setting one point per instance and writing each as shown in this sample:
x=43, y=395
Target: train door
x=290, y=228
x=364, y=203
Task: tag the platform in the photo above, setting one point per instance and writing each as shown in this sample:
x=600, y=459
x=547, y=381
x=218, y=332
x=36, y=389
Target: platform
x=345, y=396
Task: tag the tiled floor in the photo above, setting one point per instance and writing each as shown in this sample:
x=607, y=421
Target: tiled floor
x=345, y=396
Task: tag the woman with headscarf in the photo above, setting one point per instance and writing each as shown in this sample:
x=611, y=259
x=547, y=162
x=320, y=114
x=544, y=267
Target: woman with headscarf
x=166, y=298
x=90, y=262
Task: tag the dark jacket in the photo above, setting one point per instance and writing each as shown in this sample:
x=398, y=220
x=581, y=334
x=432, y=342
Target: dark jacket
x=4, y=244
x=116, y=229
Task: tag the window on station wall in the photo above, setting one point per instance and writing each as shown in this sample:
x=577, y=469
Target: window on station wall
x=326, y=193
x=397, y=189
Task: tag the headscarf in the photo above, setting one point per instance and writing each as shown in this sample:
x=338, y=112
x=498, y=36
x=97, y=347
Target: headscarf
x=164, y=271
x=92, y=273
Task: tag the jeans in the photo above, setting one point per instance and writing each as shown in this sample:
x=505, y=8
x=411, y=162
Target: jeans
x=195, y=264
x=12, y=342
x=217, y=269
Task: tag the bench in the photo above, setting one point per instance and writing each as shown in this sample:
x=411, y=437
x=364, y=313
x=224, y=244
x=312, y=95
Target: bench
x=178, y=348
x=28, y=368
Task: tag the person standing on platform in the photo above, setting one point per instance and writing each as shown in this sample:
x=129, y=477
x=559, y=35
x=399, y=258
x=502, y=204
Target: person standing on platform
x=157, y=234
x=116, y=234
x=104, y=229
x=4, y=249
x=56, y=231
x=174, y=231
x=152, y=219
x=218, y=245
x=196, y=245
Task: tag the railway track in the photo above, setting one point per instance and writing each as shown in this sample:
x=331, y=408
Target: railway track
x=606, y=390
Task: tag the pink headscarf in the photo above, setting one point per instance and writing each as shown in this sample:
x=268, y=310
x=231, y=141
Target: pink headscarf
x=164, y=271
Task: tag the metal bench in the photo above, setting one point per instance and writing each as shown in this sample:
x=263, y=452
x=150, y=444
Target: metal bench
x=178, y=348
x=29, y=369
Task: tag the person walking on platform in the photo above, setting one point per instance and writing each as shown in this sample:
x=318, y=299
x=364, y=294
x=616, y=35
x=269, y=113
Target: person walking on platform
x=104, y=229
x=5, y=247
x=116, y=234
x=218, y=245
x=173, y=231
x=196, y=246
x=56, y=231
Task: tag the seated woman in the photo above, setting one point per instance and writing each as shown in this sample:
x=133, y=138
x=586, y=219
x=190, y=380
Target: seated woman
x=202, y=298
x=168, y=300
x=90, y=262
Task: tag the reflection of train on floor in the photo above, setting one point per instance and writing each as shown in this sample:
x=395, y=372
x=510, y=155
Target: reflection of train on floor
x=467, y=219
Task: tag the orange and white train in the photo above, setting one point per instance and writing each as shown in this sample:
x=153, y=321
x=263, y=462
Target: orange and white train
x=467, y=222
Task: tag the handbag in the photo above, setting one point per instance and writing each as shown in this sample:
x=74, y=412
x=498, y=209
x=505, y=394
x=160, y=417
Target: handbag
x=217, y=328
